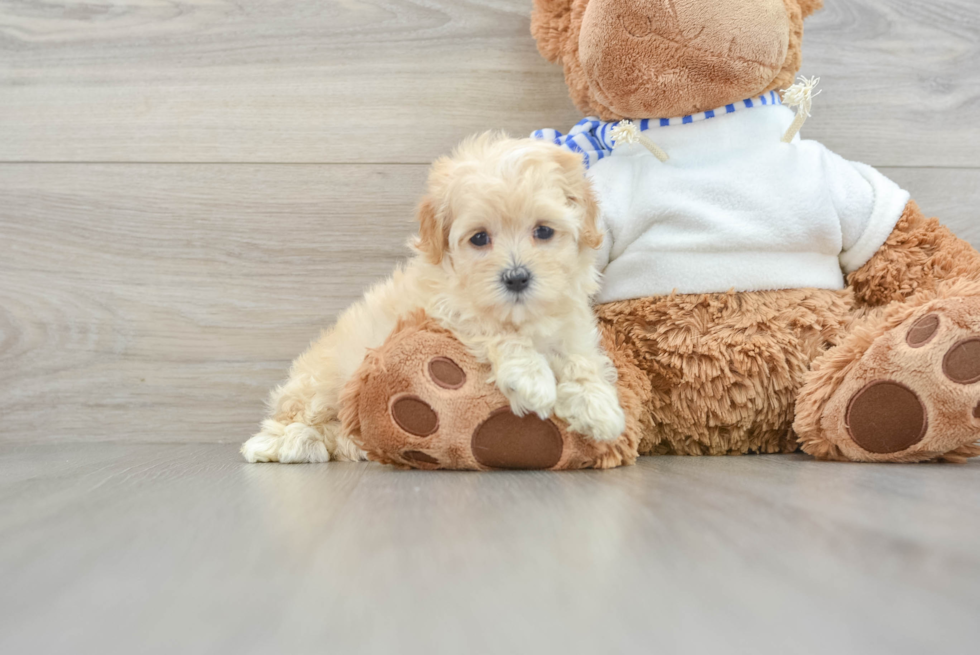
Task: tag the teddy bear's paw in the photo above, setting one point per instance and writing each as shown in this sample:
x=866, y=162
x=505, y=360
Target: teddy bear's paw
x=592, y=410
x=529, y=384
x=423, y=401
x=507, y=441
x=914, y=395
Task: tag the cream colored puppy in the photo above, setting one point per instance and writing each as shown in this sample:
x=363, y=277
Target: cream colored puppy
x=505, y=259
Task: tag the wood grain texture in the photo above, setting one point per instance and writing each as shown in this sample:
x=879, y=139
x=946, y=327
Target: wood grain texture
x=216, y=80
x=164, y=301
x=899, y=88
x=121, y=548
x=401, y=81
x=157, y=303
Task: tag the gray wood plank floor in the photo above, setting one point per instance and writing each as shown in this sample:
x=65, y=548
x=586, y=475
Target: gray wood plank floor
x=123, y=548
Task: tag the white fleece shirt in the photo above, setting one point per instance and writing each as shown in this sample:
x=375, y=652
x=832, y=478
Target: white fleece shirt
x=735, y=208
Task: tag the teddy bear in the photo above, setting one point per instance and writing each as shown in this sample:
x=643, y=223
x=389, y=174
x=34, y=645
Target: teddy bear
x=761, y=293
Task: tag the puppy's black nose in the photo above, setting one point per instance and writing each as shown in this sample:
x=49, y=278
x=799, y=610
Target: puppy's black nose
x=516, y=279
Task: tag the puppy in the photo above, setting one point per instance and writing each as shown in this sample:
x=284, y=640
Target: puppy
x=505, y=259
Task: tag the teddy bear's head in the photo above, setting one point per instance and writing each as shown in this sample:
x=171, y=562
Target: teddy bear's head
x=669, y=58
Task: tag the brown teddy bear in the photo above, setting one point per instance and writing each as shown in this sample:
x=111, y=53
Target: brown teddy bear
x=761, y=294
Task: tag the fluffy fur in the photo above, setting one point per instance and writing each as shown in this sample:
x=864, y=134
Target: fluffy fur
x=919, y=253
x=721, y=371
x=542, y=345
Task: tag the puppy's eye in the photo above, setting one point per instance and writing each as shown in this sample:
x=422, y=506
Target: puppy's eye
x=480, y=239
x=543, y=232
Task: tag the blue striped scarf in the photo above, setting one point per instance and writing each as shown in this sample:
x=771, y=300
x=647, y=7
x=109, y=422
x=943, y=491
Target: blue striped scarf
x=593, y=137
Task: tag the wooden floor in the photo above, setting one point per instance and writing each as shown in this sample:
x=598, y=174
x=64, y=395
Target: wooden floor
x=139, y=548
x=190, y=191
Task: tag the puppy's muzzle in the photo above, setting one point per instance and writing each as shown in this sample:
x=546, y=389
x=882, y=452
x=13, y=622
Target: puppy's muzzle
x=517, y=279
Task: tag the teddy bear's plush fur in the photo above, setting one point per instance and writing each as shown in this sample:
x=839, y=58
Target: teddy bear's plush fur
x=885, y=370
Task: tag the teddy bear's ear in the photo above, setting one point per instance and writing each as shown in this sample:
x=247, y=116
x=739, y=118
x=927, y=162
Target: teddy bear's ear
x=810, y=6
x=550, y=22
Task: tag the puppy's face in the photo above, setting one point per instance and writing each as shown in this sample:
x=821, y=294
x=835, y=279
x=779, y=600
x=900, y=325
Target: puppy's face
x=513, y=222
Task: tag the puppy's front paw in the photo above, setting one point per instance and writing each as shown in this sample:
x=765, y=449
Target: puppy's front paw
x=592, y=410
x=529, y=385
x=286, y=443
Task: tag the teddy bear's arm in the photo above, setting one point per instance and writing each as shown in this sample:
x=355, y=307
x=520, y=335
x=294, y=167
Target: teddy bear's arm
x=919, y=253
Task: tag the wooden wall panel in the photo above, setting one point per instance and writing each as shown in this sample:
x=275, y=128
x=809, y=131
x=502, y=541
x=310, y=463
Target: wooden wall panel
x=161, y=302
x=401, y=81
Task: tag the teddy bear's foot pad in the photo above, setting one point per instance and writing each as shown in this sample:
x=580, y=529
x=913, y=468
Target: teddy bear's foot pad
x=886, y=417
x=914, y=395
x=508, y=441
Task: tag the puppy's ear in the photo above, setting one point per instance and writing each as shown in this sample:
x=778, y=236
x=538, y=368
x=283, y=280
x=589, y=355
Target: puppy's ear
x=579, y=191
x=810, y=6
x=433, y=239
x=590, y=235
